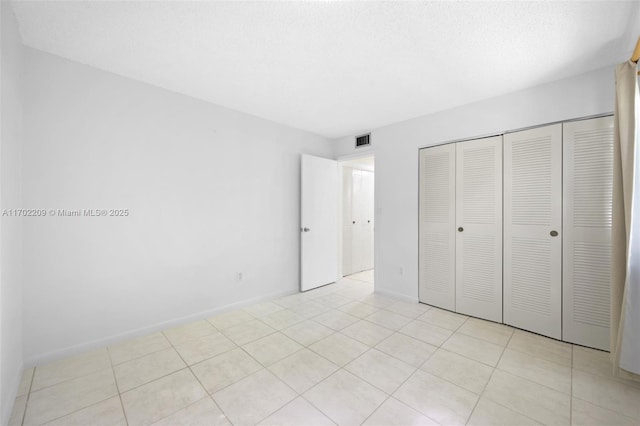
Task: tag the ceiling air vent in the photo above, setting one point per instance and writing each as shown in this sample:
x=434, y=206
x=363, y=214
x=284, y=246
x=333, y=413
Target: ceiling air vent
x=363, y=140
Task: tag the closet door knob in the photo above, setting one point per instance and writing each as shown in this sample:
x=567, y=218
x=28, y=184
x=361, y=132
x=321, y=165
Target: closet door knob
x=460, y=229
x=354, y=222
x=553, y=233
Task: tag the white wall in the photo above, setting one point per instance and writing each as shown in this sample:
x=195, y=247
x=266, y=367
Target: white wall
x=10, y=198
x=211, y=192
x=396, y=152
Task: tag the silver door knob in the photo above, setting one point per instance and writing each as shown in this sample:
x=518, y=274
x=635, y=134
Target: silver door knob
x=305, y=229
x=553, y=233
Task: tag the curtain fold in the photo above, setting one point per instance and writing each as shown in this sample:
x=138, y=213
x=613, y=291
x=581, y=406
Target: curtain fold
x=625, y=240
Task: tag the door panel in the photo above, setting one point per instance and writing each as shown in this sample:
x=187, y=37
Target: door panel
x=479, y=222
x=358, y=222
x=368, y=187
x=437, y=227
x=532, y=212
x=347, y=219
x=588, y=189
x=319, y=222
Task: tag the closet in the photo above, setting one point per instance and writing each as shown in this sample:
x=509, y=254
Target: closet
x=461, y=227
x=516, y=229
x=357, y=219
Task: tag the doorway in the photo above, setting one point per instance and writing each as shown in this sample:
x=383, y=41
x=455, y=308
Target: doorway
x=357, y=217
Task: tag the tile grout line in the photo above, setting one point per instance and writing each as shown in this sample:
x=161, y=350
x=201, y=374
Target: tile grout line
x=490, y=377
x=499, y=403
x=571, y=389
x=390, y=395
x=26, y=403
x=115, y=380
x=194, y=375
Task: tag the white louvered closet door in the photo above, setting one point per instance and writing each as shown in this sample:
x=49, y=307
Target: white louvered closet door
x=532, y=215
x=588, y=187
x=437, y=226
x=479, y=228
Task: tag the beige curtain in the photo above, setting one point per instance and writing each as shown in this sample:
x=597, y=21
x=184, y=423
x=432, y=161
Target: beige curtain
x=625, y=292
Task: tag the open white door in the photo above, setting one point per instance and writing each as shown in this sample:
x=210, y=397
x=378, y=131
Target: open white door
x=318, y=222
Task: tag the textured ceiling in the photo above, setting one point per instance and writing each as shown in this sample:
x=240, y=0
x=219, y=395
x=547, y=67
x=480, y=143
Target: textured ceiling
x=336, y=68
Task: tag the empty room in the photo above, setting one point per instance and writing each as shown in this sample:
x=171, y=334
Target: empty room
x=319, y=213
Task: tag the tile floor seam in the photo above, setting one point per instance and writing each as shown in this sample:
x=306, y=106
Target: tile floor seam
x=537, y=357
x=414, y=408
x=447, y=380
x=62, y=382
x=321, y=355
x=440, y=346
x=484, y=388
x=65, y=380
x=188, y=367
x=378, y=407
x=115, y=380
x=461, y=356
x=283, y=358
x=141, y=356
x=26, y=403
x=389, y=395
x=230, y=384
x=326, y=378
x=597, y=404
x=605, y=408
x=316, y=407
x=253, y=340
x=78, y=410
x=534, y=382
x=412, y=374
x=510, y=409
x=571, y=389
x=365, y=380
x=297, y=395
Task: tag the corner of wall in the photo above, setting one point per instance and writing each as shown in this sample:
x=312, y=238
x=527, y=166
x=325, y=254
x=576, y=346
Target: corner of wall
x=11, y=308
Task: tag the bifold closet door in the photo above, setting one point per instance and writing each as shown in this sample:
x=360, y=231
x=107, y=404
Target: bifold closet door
x=368, y=216
x=347, y=218
x=437, y=226
x=532, y=230
x=362, y=234
x=357, y=218
x=588, y=187
x=479, y=228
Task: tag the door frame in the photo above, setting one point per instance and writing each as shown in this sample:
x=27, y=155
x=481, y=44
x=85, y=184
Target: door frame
x=342, y=163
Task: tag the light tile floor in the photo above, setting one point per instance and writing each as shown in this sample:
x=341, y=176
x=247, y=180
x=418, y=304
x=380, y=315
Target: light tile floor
x=340, y=354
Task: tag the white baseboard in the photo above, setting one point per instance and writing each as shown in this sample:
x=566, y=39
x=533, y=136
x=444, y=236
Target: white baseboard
x=120, y=337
